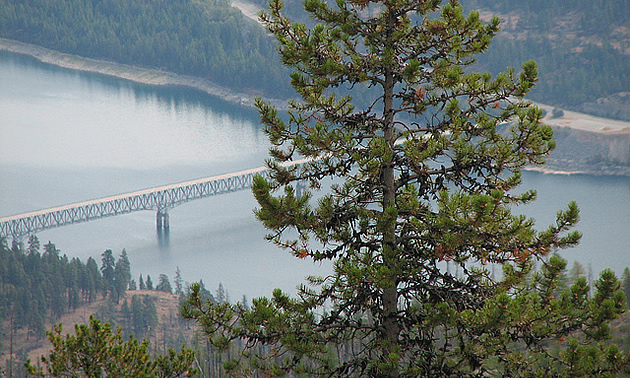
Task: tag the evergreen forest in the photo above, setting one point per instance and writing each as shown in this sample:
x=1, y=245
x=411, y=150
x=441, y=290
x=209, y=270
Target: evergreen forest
x=207, y=39
x=40, y=286
x=582, y=47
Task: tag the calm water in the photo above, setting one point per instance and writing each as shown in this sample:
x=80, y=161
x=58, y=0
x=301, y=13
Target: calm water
x=70, y=136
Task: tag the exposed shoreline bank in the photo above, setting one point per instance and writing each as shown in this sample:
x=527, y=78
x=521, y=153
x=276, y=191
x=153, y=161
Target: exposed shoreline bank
x=129, y=72
x=583, y=124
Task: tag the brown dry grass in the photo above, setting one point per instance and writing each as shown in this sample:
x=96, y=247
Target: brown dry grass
x=167, y=306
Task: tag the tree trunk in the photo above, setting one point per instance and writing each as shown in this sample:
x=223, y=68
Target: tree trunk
x=391, y=328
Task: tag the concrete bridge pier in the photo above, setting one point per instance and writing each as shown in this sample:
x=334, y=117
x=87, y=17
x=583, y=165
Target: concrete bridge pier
x=163, y=228
x=300, y=187
x=161, y=220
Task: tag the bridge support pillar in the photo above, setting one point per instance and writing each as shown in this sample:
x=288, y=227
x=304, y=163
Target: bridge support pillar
x=163, y=228
x=162, y=220
x=300, y=187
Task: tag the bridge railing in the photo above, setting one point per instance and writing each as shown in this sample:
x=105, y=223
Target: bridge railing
x=160, y=199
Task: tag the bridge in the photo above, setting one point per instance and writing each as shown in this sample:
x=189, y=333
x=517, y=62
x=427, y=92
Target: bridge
x=159, y=199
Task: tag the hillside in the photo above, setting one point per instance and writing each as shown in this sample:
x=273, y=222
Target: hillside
x=201, y=38
x=170, y=332
x=588, y=144
x=582, y=47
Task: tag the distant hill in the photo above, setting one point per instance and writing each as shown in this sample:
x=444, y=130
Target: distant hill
x=582, y=47
x=204, y=38
x=170, y=332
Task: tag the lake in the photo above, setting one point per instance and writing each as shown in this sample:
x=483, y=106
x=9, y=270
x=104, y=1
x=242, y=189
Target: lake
x=69, y=136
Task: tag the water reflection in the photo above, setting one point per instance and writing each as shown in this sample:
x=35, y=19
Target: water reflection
x=57, y=117
x=177, y=98
x=164, y=238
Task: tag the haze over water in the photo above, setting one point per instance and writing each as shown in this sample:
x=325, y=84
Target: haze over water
x=70, y=136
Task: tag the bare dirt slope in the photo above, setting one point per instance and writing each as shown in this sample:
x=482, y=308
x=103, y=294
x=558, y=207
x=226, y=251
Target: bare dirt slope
x=169, y=328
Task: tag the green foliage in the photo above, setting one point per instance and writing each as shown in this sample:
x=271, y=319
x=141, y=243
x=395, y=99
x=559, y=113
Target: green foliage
x=579, y=46
x=207, y=39
x=179, y=282
x=164, y=284
x=143, y=315
x=108, y=263
x=95, y=351
x=122, y=275
x=36, y=287
x=420, y=177
x=116, y=274
x=142, y=285
x=523, y=329
x=626, y=282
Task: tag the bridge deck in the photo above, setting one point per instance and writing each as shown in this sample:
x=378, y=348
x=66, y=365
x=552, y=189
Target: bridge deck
x=159, y=198
x=133, y=194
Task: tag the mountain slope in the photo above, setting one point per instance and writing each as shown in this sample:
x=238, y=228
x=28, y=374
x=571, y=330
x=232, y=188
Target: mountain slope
x=203, y=38
x=582, y=49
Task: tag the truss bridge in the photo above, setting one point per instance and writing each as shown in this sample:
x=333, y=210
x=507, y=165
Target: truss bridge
x=159, y=199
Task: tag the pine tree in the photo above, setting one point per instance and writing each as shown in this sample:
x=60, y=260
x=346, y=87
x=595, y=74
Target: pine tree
x=138, y=326
x=164, y=284
x=95, y=350
x=149, y=283
x=221, y=295
x=94, y=279
x=141, y=283
x=125, y=313
x=108, y=264
x=626, y=282
x=179, y=282
x=33, y=245
x=122, y=275
x=423, y=174
x=577, y=271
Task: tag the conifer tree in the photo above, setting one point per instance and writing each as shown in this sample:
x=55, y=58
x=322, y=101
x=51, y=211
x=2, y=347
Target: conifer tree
x=164, y=284
x=122, y=275
x=108, y=264
x=33, y=245
x=142, y=285
x=221, y=294
x=423, y=175
x=179, y=282
x=95, y=350
x=94, y=279
x=626, y=281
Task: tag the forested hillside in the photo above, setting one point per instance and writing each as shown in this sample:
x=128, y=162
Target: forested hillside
x=582, y=47
x=38, y=284
x=208, y=39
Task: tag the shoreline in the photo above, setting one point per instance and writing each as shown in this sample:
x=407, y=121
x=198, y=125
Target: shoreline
x=142, y=75
x=148, y=76
x=550, y=171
